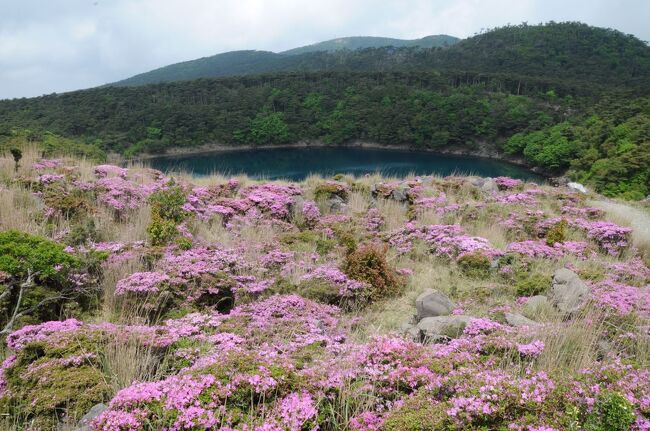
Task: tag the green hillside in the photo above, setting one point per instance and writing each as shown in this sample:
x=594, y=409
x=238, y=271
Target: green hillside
x=564, y=97
x=362, y=42
x=253, y=62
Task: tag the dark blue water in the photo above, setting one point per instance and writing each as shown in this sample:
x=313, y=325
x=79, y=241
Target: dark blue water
x=297, y=163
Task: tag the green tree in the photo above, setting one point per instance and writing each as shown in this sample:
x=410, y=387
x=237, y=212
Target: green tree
x=269, y=128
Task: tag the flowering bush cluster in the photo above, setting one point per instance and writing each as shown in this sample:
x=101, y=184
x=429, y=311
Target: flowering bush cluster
x=272, y=315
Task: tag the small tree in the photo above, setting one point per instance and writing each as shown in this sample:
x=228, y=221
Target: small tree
x=36, y=280
x=17, y=155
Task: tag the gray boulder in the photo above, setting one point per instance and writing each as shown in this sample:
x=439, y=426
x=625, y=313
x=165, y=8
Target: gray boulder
x=489, y=186
x=432, y=303
x=440, y=328
x=400, y=194
x=411, y=331
x=518, y=321
x=335, y=204
x=577, y=187
x=485, y=184
x=568, y=293
x=93, y=413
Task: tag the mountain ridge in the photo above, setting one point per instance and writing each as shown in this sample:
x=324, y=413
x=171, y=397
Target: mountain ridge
x=245, y=62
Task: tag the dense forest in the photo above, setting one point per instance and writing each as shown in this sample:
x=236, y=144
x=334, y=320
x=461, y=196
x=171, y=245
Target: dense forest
x=320, y=56
x=563, y=97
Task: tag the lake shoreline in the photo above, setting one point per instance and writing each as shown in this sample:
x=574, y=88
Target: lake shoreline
x=484, y=152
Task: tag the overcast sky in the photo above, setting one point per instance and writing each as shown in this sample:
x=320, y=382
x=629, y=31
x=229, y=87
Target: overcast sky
x=60, y=45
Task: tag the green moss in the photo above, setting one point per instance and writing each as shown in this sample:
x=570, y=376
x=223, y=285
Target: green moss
x=532, y=284
x=43, y=387
x=417, y=414
x=612, y=412
x=327, y=190
x=476, y=265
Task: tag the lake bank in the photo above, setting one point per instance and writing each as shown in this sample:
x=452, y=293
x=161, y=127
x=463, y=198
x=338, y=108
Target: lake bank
x=484, y=151
x=297, y=162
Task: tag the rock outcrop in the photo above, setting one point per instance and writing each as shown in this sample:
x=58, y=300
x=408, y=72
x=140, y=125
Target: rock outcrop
x=568, y=292
x=432, y=303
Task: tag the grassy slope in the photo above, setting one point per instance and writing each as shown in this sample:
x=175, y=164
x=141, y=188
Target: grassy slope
x=570, y=345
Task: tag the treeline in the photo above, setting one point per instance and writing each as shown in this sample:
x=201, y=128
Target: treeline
x=591, y=58
x=608, y=148
x=423, y=110
x=564, y=97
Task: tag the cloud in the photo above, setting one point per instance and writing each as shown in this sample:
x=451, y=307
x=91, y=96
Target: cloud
x=71, y=44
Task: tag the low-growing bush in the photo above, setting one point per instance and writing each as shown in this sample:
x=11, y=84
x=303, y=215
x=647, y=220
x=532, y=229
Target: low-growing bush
x=329, y=189
x=166, y=213
x=612, y=412
x=532, y=284
x=474, y=264
x=368, y=264
x=39, y=281
x=557, y=233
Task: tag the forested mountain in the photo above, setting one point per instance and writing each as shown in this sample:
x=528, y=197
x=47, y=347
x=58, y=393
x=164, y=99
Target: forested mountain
x=361, y=42
x=560, y=96
x=569, y=51
x=253, y=62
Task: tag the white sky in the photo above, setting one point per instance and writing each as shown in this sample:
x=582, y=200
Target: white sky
x=60, y=45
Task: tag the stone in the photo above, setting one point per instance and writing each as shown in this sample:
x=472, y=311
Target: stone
x=577, y=187
x=335, y=204
x=489, y=185
x=568, y=293
x=432, y=303
x=411, y=331
x=93, y=413
x=519, y=321
x=440, y=328
x=400, y=194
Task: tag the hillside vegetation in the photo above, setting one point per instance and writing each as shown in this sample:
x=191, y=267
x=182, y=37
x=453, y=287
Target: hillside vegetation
x=361, y=42
x=307, y=58
x=564, y=97
x=340, y=304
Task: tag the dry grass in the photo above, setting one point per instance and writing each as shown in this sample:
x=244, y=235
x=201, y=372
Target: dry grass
x=124, y=363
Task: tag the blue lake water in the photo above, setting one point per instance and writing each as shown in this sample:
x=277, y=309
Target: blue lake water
x=297, y=163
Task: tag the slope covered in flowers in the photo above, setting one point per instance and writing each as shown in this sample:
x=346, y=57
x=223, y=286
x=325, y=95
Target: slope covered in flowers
x=231, y=304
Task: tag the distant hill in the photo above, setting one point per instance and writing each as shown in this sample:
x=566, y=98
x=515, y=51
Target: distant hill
x=252, y=62
x=560, y=95
x=361, y=42
x=568, y=51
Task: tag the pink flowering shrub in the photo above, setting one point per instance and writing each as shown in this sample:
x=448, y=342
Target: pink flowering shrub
x=43, y=164
x=256, y=321
x=507, y=183
x=103, y=171
x=443, y=240
x=141, y=282
x=311, y=213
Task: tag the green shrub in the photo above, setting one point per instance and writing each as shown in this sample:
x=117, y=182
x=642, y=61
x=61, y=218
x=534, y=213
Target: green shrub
x=417, y=413
x=35, y=276
x=52, y=390
x=161, y=231
x=81, y=232
x=368, y=263
x=475, y=264
x=329, y=189
x=532, y=284
x=612, y=412
x=557, y=233
x=17, y=154
x=168, y=203
x=166, y=213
